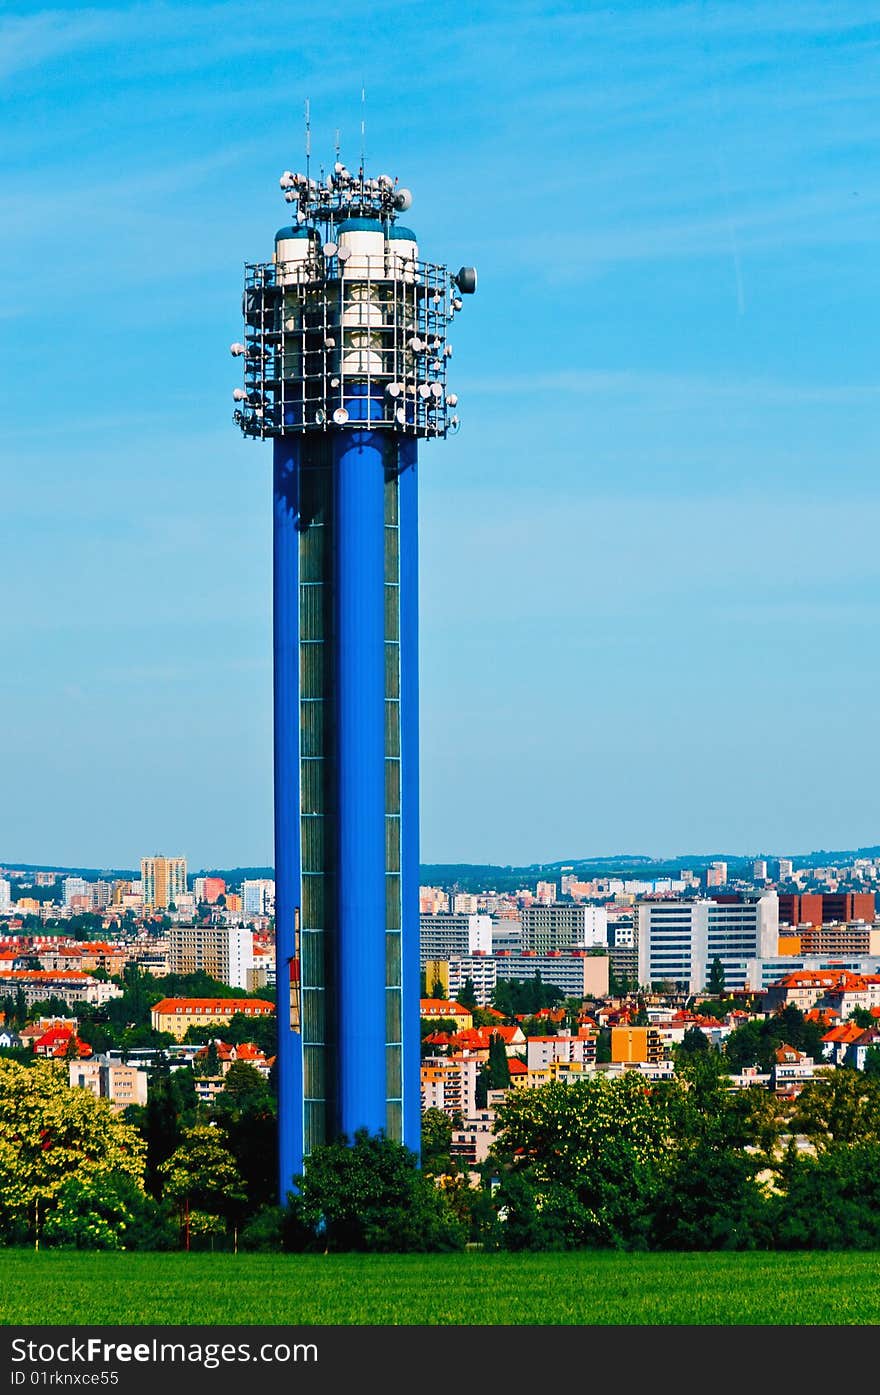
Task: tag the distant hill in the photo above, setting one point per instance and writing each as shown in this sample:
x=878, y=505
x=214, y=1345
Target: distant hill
x=477, y=876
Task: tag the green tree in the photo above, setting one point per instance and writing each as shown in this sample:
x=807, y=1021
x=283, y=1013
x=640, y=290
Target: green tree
x=369, y=1196
x=830, y=1202
x=843, y=1108
x=201, y=1175
x=862, y=1017
x=468, y=995
x=693, y=1043
x=716, y=978
x=243, y=1087
x=499, y=1065
x=209, y=1064
x=170, y=1108
x=437, y=1142
x=110, y=1213
x=50, y=1134
x=588, y=1157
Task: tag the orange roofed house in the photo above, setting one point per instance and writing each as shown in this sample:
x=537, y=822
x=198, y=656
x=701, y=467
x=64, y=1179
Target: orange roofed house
x=177, y=1015
x=445, y=1009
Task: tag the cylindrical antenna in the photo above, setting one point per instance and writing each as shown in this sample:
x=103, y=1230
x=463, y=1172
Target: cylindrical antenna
x=363, y=127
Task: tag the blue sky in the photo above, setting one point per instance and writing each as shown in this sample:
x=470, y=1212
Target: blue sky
x=650, y=574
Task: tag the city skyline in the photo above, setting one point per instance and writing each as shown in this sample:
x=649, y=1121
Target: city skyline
x=647, y=563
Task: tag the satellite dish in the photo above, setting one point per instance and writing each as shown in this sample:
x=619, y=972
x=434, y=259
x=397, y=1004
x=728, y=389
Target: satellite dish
x=329, y=342
x=320, y=416
x=330, y=249
x=290, y=196
x=394, y=389
x=343, y=254
x=466, y=279
x=452, y=399
x=436, y=389
x=403, y=200
x=424, y=389
x=236, y=350
x=340, y=416
x=416, y=344
x=455, y=423
x=457, y=304
x=400, y=416
x=334, y=382
x=447, y=352
x=239, y=395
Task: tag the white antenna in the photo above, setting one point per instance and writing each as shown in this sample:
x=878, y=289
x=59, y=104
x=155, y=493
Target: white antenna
x=363, y=126
x=308, y=136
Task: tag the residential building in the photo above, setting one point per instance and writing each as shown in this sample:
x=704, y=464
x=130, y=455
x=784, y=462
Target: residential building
x=473, y=1141
x=38, y=985
x=212, y=889
x=442, y=1009
x=177, y=1015
x=762, y=973
x=449, y=1083
x=122, y=1085
x=832, y=988
x=680, y=940
x=791, y=1070
x=5, y=897
x=814, y=908
x=103, y=894
x=258, y=896
x=443, y=935
x=564, y=1049
x=545, y=893
x=716, y=875
x=575, y=973
x=759, y=869
x=465, y=903
x=75, y=886
x=224, y=952
x=845, y=938
x=565, y=926
x=164, y=879
x=636, y=1045
x=786, y=869
x=432, y=900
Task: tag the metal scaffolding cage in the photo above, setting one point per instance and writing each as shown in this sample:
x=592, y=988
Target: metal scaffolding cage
x=330, y=343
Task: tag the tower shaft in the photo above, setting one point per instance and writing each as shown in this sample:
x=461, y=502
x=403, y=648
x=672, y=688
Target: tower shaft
x=346, y=789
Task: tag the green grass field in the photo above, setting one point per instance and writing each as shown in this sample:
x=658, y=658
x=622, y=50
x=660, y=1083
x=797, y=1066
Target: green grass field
x=66, y=1287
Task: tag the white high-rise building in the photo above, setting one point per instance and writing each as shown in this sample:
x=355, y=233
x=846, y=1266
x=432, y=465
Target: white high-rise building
x=680, y=940
x=75, y=886
x=258, y=896
x=5, y=896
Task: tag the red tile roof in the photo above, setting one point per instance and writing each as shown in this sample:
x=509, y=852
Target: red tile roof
x=251, y=1007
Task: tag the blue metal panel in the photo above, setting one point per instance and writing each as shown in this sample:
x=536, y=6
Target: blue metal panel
x=409, y=794
x=358, y=462
x=287, y=451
